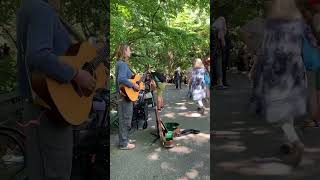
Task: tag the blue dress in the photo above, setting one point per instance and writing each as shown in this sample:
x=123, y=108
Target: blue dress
x=281, y=85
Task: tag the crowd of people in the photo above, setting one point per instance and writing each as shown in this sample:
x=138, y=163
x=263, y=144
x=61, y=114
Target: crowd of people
x=284, y=89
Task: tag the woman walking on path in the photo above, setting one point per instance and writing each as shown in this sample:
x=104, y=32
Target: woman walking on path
x=198, y=84
x=281, y=75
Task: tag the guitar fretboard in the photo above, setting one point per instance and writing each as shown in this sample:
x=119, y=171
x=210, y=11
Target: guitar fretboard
x=100, y=58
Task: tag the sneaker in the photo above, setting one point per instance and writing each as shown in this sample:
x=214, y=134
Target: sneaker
x=131, y=141
x=128, y=147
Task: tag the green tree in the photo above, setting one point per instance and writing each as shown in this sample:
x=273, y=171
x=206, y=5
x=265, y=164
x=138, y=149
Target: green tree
x=155, y=28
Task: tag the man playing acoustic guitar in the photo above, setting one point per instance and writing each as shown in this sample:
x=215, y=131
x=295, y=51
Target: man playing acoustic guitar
x=41, y=38
x=125, y=106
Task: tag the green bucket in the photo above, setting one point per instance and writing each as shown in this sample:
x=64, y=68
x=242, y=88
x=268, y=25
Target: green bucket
x=171, y=126
x=169, y=136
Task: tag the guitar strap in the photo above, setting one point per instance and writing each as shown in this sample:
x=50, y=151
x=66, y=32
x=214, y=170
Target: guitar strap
x=133, y=72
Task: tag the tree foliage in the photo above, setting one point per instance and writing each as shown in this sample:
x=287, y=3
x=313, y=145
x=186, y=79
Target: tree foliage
x=154, y=28
x=237, y=13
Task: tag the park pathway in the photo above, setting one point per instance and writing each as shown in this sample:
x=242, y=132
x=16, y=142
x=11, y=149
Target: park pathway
x=243, y=146
x=189, y=159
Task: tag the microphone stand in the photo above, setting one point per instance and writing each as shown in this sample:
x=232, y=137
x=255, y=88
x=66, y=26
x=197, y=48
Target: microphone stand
x=157, y=133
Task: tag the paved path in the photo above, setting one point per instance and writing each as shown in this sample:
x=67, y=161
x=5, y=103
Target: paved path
x=189, y=159
x=244, y=145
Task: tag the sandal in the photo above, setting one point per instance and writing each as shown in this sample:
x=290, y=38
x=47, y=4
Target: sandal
x=128, y=147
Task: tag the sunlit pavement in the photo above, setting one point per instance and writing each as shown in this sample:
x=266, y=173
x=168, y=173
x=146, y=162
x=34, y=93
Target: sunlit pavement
x=189, y=159
x=244, y=146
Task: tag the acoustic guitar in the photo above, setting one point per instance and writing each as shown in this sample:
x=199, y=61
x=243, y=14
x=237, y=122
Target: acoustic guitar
x=130, y=93
x=64, y=99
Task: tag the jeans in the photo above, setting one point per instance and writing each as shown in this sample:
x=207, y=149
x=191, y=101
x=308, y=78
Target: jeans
x=178, y=83
x=125, y=112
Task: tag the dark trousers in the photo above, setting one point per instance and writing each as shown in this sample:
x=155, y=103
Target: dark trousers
x=178, y=82
x=48, y=146
x=225, y=62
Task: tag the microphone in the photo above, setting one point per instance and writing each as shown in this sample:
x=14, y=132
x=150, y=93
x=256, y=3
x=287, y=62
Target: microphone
x=135, y=55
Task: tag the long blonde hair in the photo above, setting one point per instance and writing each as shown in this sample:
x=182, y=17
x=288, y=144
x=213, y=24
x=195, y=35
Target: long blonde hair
x=285, y=10
x=198, y=63
x=120, y=53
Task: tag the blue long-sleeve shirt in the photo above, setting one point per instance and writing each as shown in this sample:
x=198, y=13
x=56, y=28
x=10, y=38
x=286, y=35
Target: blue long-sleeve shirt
x=123, y=74
x=44, y=38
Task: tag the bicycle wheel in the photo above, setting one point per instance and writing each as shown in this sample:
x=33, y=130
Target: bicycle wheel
x=12, y=157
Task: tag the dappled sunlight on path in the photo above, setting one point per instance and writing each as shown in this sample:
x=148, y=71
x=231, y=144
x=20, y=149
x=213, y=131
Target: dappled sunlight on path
x=188, y=159
x=246, y=147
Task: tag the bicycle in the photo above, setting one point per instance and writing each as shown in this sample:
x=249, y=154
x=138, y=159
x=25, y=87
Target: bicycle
x=12, y=154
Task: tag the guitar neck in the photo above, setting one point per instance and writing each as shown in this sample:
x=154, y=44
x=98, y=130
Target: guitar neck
x=100, y=58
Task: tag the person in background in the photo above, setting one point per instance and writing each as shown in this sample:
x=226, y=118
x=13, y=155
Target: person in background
x=160, y=80
x=125, y=106
x=309, y=10
x=220, y=45
x=252, y=34
x=198, y=84
x=178, y=77
x=226, y=57
x=316, y=25
x=189, y=77
x=280, y=74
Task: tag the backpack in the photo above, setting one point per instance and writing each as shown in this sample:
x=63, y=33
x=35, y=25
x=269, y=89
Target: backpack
x=207, y=78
